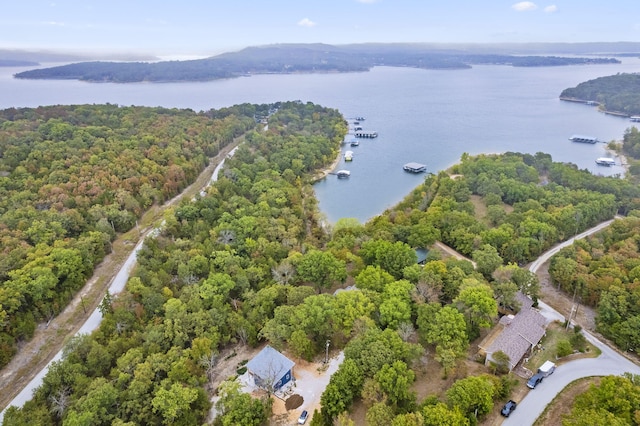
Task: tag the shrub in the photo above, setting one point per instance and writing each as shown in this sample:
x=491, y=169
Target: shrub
x=563, y=348
x=578, y=342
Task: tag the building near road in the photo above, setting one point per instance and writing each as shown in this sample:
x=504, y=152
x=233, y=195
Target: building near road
x=270, y=369
x=515, y=335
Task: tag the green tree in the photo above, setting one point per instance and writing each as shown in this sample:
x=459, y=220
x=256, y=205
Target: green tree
x=239, y=408
x=373, y=277
x=472, y=395
x=174, y=404
x=321, y=268
x=379, y=414
x=448, y=332
x=487, y=260
x=392, y=257
x=395, y=382
x=441, y=415
x=476, y=301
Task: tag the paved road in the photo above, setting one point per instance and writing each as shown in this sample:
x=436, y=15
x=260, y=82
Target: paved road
x=608, y=363
x=94, y=320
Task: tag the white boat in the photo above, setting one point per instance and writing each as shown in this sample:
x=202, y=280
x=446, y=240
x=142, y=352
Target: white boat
x=348, y=155
x=635, y=118
x=343, y=174
x=605, y=161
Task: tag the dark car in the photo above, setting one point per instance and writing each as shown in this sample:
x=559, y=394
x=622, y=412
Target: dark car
x=535, y=380
x=303, y=417
x=508, y=408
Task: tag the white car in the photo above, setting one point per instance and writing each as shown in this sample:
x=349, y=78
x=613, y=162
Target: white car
x=303, y=417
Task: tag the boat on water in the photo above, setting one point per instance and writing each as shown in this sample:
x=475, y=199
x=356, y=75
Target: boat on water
x=343, y=174
x=635, y=118
x=583, y=139
x=348, y=155
x=605, y=161
x=415, y=167
x=355, y=143
x=359, y=118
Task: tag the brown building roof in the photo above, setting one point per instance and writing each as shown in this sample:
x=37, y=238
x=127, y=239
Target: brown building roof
x=519, y=332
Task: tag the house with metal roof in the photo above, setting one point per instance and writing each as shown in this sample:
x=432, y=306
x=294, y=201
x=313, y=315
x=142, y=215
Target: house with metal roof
x=516, y=335
x=270, y=369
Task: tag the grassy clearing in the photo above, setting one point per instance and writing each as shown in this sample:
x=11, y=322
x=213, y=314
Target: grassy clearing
x=547, y=349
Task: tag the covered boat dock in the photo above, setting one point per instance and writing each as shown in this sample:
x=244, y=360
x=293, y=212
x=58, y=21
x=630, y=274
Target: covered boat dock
x=415, y=167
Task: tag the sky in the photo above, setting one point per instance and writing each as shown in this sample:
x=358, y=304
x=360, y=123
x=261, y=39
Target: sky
x=207, y=27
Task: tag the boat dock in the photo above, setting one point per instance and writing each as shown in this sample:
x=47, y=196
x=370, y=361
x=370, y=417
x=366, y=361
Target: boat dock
x=415, y=167
x=583, y=139
x=635, y=118
x=363, y=134
x=605, y=161
x=580, y=101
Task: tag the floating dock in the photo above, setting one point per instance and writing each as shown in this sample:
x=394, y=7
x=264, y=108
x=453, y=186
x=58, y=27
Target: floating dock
x=605, y=161
x=635, y=118
x=363, y=134
x=415, y=167
x=583, y=139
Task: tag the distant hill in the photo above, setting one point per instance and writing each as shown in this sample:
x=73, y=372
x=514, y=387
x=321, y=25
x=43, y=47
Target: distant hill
x=304, y=58
x=618, y=93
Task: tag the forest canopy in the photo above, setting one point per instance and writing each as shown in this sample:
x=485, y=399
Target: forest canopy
x=71, y=177
x=616, y=93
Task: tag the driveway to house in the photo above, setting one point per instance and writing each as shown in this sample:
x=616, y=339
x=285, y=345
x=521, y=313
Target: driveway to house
x=610, y=362
x=310, y=383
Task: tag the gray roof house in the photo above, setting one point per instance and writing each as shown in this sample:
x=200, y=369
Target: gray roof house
x=516, y=335
x=270, y=369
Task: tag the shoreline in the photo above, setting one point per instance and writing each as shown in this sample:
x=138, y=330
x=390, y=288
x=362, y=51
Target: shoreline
x=325, y=172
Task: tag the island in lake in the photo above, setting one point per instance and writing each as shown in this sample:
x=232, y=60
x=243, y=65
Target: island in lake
x=314, y=58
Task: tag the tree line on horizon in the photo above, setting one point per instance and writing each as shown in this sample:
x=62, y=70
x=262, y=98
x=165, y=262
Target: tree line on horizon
x=296, y=58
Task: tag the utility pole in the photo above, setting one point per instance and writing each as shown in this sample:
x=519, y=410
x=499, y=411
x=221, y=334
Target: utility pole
x=326, y=358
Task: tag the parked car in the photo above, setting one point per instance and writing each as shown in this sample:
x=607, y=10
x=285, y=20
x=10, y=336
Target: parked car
x=508, y=408
x=535, y=380
x=303, y=417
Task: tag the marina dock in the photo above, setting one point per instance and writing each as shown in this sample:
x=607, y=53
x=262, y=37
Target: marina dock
x=415, y=167
x=583, y=139
x=364, y=134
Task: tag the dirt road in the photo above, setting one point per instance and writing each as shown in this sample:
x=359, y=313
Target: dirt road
x=34, y=355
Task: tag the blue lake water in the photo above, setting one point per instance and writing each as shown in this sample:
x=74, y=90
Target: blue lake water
x=425, y=116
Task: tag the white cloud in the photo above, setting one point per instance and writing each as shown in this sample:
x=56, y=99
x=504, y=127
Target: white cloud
x=524, y=6
x=55, y=23
x=551, y=9
x=306, y=22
